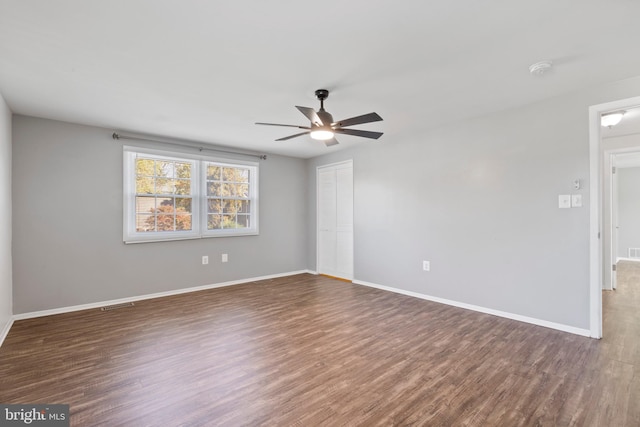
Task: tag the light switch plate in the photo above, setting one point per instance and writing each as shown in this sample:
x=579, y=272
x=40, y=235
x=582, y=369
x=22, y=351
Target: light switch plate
x=564, y=201
x=576, y=200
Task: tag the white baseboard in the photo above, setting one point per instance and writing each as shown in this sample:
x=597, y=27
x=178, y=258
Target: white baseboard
x=99, y=304
x=5, y=330
x=531, y=320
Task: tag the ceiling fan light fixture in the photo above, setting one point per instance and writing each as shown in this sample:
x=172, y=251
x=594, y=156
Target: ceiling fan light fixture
x=321, y=134
x=611, y=119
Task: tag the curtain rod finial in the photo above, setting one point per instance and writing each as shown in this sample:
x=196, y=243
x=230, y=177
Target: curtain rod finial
x=115, y=136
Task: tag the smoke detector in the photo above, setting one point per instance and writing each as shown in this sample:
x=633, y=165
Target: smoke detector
x=539, y=68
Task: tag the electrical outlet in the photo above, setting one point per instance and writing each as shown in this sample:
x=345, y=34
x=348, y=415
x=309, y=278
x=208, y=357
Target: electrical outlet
x=426, y=265
x=225, y=258
x=205, y=260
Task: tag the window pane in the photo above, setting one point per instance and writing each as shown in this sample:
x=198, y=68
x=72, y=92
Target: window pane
x=144, y=185
x=242, y=175
x=183, y=170
x=231, y=206
x=236, y=175
x=164, y=186
x=183, y=221
x=213, y=172
x=145, y=204
x=183, y=186
x=241, y=190
x=214, y=222
x=165, y=169
x=145, y=222
x=183, y=204
x=214, y=189
x=229, y=221
x=164, y=204
x=144, y=167
x=243, y=221
x=214, y=206
x=243, y=206
x=165, y=222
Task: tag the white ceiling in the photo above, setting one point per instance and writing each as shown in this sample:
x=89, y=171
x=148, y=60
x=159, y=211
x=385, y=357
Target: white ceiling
x=207, y=70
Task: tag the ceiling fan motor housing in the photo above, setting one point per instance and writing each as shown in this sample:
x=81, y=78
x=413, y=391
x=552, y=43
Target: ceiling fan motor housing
x=322, y=94
x=325, y=117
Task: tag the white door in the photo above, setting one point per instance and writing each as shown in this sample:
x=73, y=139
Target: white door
x=335, y=220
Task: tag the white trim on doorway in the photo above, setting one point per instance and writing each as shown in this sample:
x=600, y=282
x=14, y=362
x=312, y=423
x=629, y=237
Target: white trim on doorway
x=596, y=209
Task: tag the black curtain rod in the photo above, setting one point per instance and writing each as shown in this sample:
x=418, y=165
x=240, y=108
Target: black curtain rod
x=117, y=136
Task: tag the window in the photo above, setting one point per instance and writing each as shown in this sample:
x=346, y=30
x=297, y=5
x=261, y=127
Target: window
x=170, y=196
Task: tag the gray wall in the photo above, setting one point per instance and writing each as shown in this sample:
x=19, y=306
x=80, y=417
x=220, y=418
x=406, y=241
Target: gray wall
x=67, y=224
x=628, y=210
x=5, y=216
x=479, y=199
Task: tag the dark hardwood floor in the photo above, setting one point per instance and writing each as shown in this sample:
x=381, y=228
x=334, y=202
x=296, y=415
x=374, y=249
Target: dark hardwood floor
x=309, y=350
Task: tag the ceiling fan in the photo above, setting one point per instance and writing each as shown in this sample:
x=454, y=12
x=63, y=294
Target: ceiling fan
x=322, y=126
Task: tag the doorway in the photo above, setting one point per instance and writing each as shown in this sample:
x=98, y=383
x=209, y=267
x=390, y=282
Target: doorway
x=622, y=204
x=335, y=219
x=598, y=207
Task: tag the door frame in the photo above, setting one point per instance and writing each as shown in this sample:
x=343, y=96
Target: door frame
x=613, y=216
x=318, y=168
x=596, y=206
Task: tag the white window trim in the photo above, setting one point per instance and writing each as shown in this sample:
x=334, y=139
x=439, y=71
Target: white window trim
x=199, y=205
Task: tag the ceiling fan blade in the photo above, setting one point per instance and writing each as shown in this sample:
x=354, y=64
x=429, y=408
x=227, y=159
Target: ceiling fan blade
x=365, y=118
x=289, y=126
x=293, y=136
x=357, y=132
x=330, y=142
x=310, y=114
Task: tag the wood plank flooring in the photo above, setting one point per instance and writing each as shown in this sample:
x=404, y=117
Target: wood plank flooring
x=309, y=350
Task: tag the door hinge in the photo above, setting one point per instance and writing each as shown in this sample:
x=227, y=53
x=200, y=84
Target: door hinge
x=613, y=169
x=613, y=267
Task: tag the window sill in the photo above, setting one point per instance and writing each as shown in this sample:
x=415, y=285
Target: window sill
x=132, y=241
